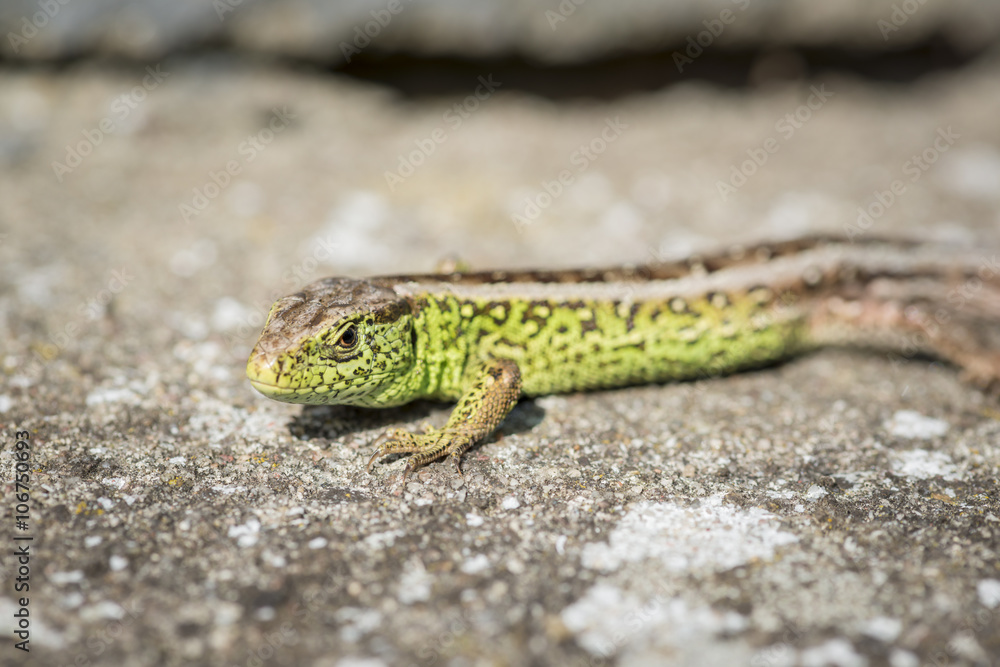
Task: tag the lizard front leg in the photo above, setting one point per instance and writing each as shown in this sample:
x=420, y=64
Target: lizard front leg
x=493, y=391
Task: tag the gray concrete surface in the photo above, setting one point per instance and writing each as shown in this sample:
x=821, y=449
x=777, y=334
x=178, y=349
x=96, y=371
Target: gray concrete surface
x=841, y=509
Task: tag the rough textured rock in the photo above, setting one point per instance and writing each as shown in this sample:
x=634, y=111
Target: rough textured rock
x=839, y=509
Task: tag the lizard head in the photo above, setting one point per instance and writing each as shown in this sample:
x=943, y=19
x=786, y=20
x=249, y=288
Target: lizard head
x=338, y=341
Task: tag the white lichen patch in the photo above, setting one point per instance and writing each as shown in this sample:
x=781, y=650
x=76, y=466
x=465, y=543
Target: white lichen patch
x=510, y=503
x=922, y=464
x=246, y=534
x=220, y=421
x=123, y=395
x=988, y=591
x=712, y=536
x=356, y=622
x=913, y=425
x=881, y=628
x=838, y=652
x=607, y=620
x=814, y=493
x=972, y=172
x=354, y=661
x=415, y=583
x=383, y=540
x=476, y=564
x=228, y=314
x=229, y=489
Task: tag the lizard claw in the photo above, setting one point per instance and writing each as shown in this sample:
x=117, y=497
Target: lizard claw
x=379, y=444
x=457, y=458
x=425, y=447
x=371, y=461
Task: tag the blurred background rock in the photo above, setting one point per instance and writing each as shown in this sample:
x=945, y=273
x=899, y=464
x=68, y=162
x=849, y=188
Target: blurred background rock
x=168, y=168
x=541, y=31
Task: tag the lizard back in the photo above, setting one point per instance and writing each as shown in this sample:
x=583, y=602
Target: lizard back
x=593, y=328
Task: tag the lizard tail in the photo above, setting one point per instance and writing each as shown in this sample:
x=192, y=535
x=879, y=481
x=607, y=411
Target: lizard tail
x=958, y=321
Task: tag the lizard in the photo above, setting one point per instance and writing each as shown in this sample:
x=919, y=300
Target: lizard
x=485, y=339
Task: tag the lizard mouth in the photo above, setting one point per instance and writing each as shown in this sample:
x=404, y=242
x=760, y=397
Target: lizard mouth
x=263, y=380
x=269, y=389
x=291, y=394
x=275, y=392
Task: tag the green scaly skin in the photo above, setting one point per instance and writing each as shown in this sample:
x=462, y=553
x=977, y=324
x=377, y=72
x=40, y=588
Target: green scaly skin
x=486, y=339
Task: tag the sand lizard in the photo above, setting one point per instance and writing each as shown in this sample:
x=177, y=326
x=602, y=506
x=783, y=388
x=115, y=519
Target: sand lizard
x=487, y=338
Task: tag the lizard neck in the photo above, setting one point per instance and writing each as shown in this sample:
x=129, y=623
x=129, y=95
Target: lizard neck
x=440, y=346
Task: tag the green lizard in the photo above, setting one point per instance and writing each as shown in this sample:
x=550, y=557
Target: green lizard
x=486, y=339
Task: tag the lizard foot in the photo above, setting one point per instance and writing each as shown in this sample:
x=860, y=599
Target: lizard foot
x=493, y=390
x=425, y=447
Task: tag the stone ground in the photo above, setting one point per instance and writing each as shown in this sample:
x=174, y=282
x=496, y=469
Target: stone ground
x=840, y=509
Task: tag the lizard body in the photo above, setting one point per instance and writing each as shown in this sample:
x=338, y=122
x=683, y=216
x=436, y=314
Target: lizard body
x=485, y=339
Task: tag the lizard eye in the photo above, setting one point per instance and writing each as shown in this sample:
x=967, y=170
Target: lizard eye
x=349, y=338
